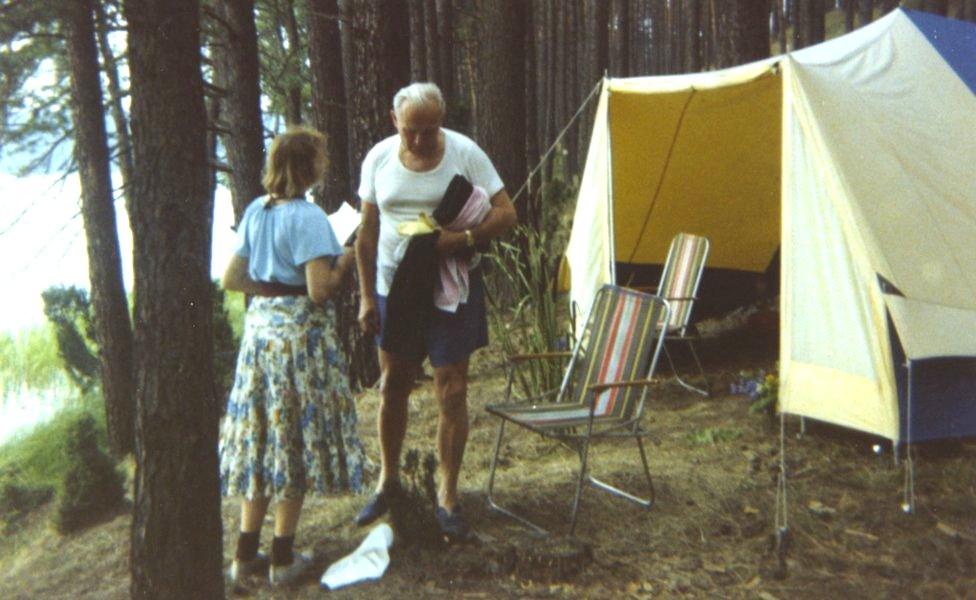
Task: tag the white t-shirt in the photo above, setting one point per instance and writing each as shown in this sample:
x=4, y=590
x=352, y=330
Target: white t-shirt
x=401, y=194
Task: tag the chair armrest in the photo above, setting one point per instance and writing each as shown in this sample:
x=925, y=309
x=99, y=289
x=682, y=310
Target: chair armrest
x=517, y=358
x=599, y=388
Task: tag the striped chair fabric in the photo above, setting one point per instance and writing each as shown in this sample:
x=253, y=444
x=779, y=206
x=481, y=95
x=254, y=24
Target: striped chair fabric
x=680, y=277
x=618, y=344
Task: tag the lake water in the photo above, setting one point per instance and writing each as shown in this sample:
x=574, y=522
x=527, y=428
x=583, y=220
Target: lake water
x=23, y=408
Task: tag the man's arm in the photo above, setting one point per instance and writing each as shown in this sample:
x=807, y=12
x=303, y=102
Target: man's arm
x=499, y=220
x=367, y=241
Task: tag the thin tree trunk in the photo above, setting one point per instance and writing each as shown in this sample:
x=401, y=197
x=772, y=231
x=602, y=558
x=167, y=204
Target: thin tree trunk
x=447, y=75
x=501, y=110
x=295, y=111
x=329, y=101
x=865, y=11
x=176, y=549
x=619, y=38
x=968, y=11
x=119, y=119
x=744, y=31
x=849, y=13
x=239, y=75
x=808, y=28
x=691, y=25
x=375, y=65
x=431, y=38
x=418, y=41
x=112, y=326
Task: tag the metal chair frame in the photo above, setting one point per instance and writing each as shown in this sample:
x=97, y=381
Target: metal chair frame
x=577, y=433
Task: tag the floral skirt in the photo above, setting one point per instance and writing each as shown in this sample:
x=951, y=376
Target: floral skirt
x=290, y=426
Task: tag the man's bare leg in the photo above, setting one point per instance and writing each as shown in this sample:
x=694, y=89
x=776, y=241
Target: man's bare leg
x=396, y=383
x=451, y=385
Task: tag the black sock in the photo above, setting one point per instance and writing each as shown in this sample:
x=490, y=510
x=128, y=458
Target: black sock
x=281, y=550
x=247, y=545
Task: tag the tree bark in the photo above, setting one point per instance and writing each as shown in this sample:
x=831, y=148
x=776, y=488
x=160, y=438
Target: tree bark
x=743, y=27
x=500, y=60
x=119, y=118
x=112, y=326
x=329, y=101
x=447, y=74
x=176, y=547
x=808, y=28
x=619, y=38
x=968, y=11
x=865, y=11
x=849, y=13
x=238, y=73
x=432, y=41
x=691, y=25
x=418, y=40
x=888, y=5
x=376, y=63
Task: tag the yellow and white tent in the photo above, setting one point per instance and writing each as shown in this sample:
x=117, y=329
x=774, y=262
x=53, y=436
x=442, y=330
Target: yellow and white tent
x=856, y=157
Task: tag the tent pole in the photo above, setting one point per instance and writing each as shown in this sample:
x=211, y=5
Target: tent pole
x=781, y=519
x=908, y=492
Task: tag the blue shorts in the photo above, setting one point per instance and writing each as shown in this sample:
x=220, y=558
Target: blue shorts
x=451, y=337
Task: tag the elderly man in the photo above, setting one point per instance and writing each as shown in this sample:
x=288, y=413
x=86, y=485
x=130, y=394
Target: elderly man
x=403, y=176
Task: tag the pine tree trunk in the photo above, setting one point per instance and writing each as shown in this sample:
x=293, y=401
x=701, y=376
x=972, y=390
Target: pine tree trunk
x=109, y=67
x=376, y=63
x=447, y=74
x=619, y=38
x=329, y=101
x=500, y=59
x=888, y=5
x=809, y=26
x=691, y=26
x=865, y=11
x=968, y=11
x=418, y=40
x=743, y=27
x=238, y=73
x=176, y=547
x=112, y=326
x=849, y=13
x=431, y=40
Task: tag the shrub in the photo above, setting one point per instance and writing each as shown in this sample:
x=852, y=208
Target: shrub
x=92, y=486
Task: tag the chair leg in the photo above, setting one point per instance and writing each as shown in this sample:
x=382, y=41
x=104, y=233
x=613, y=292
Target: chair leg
x=492, y=505
x=643, y=502
x=682, y=382
x=584, y=454
x=701, y=370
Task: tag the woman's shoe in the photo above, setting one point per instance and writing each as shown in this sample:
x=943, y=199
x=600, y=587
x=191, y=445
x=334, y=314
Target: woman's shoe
x=300, y=567
x=239, y=569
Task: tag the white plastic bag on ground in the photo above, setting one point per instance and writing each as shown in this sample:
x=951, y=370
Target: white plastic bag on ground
x=365, y=563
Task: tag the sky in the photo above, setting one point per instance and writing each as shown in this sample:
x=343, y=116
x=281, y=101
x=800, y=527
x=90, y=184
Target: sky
x=42, y=242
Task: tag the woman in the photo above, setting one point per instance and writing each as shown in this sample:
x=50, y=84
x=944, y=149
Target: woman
x=290, y=427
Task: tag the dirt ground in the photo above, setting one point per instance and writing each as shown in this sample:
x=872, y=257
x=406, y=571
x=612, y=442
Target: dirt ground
x=709, y=534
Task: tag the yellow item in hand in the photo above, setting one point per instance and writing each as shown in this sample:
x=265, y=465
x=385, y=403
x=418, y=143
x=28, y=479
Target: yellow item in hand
x=422, y=225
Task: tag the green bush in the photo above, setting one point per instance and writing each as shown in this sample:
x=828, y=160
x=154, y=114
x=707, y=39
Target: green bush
x=92, y=486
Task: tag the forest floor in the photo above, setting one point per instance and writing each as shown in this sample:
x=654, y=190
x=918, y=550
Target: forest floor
x=708, y=536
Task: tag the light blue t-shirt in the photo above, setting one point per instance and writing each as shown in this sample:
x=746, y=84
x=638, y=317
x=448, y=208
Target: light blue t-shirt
x=278, y=240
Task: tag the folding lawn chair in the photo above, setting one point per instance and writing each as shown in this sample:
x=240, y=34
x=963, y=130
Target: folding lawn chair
x=603, y=391
x=680, y=277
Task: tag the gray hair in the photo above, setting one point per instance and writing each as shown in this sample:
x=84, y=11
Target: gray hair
x=419, y=93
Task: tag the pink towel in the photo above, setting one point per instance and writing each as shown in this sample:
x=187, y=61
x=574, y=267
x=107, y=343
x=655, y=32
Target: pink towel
x=454, y=271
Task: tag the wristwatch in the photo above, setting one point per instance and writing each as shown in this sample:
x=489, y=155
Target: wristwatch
x=469, y=238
